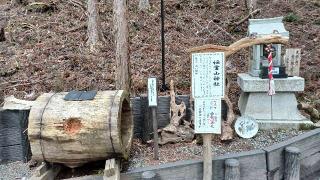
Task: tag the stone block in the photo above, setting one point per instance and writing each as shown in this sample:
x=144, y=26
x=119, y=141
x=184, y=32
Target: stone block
x=278, y=111
x=249, y=83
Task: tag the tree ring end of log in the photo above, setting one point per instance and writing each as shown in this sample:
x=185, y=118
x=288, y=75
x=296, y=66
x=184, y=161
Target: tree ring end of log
x=125, y=124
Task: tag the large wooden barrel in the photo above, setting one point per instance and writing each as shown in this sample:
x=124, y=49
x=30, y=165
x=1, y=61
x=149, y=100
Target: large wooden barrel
x=77, y=132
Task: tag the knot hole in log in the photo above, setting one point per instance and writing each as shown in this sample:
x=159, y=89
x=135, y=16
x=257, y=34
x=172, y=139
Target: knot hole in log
x=72, y=125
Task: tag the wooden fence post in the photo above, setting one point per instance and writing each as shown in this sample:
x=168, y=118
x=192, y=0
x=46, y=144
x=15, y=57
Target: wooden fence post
x=232, y=169
x=292, y=163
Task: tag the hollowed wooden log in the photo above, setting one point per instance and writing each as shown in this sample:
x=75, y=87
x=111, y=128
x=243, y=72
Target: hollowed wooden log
x=77, y=132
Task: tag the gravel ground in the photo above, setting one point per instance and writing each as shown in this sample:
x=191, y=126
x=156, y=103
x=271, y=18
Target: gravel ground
x=14, y=170
x=142, y=155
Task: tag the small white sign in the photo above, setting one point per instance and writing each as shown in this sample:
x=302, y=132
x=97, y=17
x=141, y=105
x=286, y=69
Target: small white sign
x=275, y=70
x=152, y=91
x=208, y=76
x=246, y=127
x=207, y=113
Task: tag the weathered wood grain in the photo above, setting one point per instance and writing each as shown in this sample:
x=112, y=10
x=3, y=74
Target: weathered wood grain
x=309, y=145
x=252, y=163
x=232, y=169
x=291, y=163
x=77, y=132
x=14, y=144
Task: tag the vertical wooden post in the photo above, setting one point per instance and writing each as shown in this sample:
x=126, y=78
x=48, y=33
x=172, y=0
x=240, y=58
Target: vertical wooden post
x=122, y=46
x=155, y=133
x=292, y=163
x=111, y=170
x=207, y=157
x=153, y=103
x=232, y=169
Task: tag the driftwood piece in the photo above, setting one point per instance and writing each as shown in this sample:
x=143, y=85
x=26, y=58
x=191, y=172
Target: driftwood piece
x=227, y=131
x=178, y=130
x=242, y=43
x=177, y=111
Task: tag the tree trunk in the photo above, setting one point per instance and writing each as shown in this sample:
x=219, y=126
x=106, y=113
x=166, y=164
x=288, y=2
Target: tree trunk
x=77, y=132
x=121, y=43
x=144, y=5
x=94, y=28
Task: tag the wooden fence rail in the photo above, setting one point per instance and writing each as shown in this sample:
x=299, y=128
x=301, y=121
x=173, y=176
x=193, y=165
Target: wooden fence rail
x=276, y=162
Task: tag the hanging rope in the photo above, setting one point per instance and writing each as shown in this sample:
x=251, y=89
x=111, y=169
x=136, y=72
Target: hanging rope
x=271, y=90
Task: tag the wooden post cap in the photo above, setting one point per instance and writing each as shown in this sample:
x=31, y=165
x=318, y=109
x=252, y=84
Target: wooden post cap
x=149, y=175
x=293, y=150
x=232, y=162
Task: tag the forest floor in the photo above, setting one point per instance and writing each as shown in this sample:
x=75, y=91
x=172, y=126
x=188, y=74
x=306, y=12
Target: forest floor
x=46, y=51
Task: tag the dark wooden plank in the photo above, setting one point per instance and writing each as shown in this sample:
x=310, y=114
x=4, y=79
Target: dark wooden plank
x=12, y=153
x=14, y=144
x=136, y=106
x=10, y=136
x=309, y=145
x=252, y=167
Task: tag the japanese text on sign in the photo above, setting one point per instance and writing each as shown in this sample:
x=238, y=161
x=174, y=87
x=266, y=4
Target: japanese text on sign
x=208, y=75
x=152, y=91
x=207, y=115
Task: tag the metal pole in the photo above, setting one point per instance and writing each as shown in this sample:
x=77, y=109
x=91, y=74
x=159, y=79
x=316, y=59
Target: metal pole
x=163, y=87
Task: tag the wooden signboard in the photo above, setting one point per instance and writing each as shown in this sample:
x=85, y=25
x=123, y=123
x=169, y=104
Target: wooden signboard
x=208, y=77
x=207, y=115
x=152, y=92
x=208, y=81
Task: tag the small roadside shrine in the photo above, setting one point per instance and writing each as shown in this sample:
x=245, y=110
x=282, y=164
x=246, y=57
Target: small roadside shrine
x=267, y=92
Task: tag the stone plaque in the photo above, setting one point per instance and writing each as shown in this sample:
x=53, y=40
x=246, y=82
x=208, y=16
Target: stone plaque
x=246, y=127
x=208, y=75
x=207, y=115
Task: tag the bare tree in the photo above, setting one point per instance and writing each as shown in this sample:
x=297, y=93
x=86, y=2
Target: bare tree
x=144, y=5
x=122, y=46
x=94, y=28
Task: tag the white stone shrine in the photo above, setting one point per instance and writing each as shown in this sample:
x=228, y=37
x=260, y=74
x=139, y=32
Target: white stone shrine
x=279, y=110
